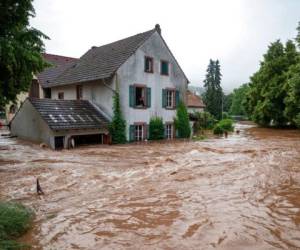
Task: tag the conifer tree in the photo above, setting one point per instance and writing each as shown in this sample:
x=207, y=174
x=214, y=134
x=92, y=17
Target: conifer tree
x=213, y=91
x=117, y=127
x=182, y=123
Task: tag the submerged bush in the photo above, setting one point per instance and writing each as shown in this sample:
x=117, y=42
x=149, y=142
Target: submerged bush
x=225, y=125
x=204, y=120
x=156, y=128
x=15, y=220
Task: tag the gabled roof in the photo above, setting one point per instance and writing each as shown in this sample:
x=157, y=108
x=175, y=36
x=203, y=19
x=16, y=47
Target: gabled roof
x=194, y=101
x=102, y=62
x=69, y=114
x=59, y=65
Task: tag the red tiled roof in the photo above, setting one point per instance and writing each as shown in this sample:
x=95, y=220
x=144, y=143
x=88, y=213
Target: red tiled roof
x=194, y=101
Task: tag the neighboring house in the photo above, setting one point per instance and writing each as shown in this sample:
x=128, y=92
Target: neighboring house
x=38, y=88
x=141, y=68
x=194, y=103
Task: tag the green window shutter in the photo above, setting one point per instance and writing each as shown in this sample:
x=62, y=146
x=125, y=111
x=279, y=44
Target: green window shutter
x=148, y=97
x=164, y=98
x=131, y=133
x=177, y=98
x=131, y=96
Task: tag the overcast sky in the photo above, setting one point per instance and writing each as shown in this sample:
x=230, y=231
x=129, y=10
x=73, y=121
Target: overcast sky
x=237, y=32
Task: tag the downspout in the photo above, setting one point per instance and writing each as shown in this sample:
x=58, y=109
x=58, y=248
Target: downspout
x=109, y=87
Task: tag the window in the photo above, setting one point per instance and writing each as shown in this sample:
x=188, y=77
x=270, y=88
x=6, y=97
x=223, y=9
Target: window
x=139, y=132
x=148, y=64
x=79, y=92
x=139, y=96
x=61, y=95
x=169, y=131
x=170, y=99
x=164, y=68
x=47, y=93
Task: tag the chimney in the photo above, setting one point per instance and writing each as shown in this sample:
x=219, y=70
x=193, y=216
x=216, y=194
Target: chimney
x=158, y=29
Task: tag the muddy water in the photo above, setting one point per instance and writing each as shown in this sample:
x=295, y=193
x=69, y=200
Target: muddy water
x=242, y=192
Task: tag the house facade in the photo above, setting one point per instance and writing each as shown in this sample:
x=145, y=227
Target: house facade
x=141, y=68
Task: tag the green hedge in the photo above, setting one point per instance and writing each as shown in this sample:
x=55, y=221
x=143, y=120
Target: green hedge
x=225, y=125
x=156, y=128
x=15, y=220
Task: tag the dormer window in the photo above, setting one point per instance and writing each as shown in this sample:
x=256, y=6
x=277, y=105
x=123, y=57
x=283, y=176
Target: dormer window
x=164, y=68
x=148, y=64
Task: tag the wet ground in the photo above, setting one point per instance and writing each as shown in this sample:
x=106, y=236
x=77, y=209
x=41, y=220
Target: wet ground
x=242, y=192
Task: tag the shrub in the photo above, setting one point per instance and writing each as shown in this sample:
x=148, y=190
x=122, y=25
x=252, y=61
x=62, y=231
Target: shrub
x=182, y=122
x=15, y=220
x=156, y=128
x=204, y=120
x=297, y=120
x=117, y=126
x=222, y=126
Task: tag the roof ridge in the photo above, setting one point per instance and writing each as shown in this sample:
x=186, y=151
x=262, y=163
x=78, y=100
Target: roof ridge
x=123, y=39
x=129, y=44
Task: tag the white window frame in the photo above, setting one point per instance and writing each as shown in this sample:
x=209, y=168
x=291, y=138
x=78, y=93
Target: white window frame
x=139, y=132
x=170, y=102
x=169, y=131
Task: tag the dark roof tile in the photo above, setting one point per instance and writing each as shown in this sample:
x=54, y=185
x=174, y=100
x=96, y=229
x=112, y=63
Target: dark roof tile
x=69, y=114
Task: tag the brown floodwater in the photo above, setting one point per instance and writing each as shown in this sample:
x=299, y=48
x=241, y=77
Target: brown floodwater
x=240, y=192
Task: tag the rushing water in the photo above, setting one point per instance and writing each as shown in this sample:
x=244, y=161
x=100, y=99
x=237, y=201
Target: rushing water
x=242, y=192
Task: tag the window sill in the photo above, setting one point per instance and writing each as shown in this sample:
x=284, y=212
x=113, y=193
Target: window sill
x=170, y=108
x=164, y=74
x=140, y=107
x=151, y=72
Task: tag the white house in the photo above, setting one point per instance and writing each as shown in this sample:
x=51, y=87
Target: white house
x=141, y=67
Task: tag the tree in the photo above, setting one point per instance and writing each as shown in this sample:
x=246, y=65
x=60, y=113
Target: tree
x=227, y=101
x=117, y=126
x=182, y=122
x=238, y=100
x=298, y=35
x=156, y=128
x=20, y=49
x=265, y=100
x=213, y=91
x=292, y=99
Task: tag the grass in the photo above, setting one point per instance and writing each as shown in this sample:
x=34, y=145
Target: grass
x=15, y=220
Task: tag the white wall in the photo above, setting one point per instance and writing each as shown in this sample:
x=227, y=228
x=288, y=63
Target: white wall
x=132, y=72
x=29, y=125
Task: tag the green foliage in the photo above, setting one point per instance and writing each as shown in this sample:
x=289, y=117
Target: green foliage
x=238, y=100
x=227, y=101
x=20, y=49
x=156, y=128
x=297, y=120
x=117, y=127
x=199, y=138
x=13, y=245
x=225, y=125
x=15, y=220
x=298, y=35
x=267, y=95
x=182, y=123
x=292, y=99
x=204, y=120
x=213, y=91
